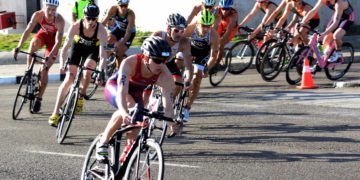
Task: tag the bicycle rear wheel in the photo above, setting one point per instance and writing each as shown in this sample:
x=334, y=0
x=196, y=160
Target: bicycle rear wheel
x=220, y=70
x=67, y=115
x=90, y=91
x=272, y=62
x=242, y=54
x=261, y=52
x=337, y=71
x=21, y=97
x=93, y=169
x=141, y=166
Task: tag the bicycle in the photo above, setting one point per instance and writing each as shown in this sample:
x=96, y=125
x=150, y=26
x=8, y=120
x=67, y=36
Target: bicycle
x=140, y=148
x=69, y=106
x=333, y=71
x=29, y=86
x=275, y=57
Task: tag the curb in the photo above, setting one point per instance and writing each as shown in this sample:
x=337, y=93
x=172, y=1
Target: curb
x=346, y=84
x=16, y=79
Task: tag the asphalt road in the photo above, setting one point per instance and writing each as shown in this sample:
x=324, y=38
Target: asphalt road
x=244, y=129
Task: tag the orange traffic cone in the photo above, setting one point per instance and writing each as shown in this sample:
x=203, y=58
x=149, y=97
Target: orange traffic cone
x=307, y=81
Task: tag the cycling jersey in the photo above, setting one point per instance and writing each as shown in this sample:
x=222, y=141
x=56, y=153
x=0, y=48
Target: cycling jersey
x=84, y=47
x=348, y=12
x=300, y=12
x=122, y=21
x=200, y=47
x=47, y=34
x=224, y=23
x=137, y=84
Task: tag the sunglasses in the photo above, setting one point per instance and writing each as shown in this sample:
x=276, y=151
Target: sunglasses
x=123, y=5
x=91, y=18
x=206, y=26
x=158, y=60
x=178, y=30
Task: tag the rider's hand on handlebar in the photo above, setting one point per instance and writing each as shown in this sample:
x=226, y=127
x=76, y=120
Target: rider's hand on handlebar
x=187, y=84
x=15, y=52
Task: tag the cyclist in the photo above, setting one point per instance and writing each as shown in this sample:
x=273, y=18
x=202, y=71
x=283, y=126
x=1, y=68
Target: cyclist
x=343, y=18
x=205, y=5
x=50, y=35
x=266, y=7
x=126, y=87
x=78, y=9
x=180, y=56
x=124, y=33
x=228, y=25
x=204, y=50
x=88, y=39
x=300, y=9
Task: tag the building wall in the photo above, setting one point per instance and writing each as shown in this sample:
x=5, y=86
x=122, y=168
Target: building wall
x=149, y=17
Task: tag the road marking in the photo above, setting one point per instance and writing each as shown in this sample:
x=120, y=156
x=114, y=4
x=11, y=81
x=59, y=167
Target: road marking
x=83, y=156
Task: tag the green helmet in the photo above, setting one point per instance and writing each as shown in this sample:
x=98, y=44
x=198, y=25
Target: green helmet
x=206, y=18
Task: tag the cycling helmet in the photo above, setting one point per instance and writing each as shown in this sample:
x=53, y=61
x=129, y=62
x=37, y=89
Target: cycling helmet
x=123, y=1
x=209, y=2
x=226, y=3
x=176, y=20
x=206, y=18
x=156, y=47
x=91, y=11
x=51, y=2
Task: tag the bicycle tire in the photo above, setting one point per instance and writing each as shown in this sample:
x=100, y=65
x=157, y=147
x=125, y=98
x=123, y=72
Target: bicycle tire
x=349, y=61
x=15, y=113
x=92, y=86
x=131, y=169
x=241, y=59
x=92, y=170
x=67, y=116
x=260, y=53
x=272, y=64
x=35, y=93
x=220, y=70
x=295, y=67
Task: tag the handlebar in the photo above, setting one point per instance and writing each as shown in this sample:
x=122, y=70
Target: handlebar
x=246, y=29
x=139, y=111
x=33, y=55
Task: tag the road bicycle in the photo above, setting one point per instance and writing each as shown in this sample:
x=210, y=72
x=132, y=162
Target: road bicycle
x=68, y=109
x=137, y=163
x=276, y=56
x=29, y=86
x=333, y=70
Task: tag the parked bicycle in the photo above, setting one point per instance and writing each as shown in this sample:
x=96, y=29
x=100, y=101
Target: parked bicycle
x=318, y=61
x=68, y=109
x=29, y=86
x=137, y=163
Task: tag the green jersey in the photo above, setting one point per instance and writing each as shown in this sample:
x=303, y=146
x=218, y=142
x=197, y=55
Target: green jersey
x=79, y=8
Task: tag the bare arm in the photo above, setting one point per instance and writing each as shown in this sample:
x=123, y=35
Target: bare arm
x=312, y=12
x=190, y=29
x=250, y=15
x=130, y=26
x=186, y=50
x=109, y=14
x=73, y=17
x=68, y=41
x=215, y=41
x=123, y=85
x=193, y=13
x=102, y=36
x=59, y=34
x=292, y=22
x=30, y=27
x=275, y=13
x=336, y=19
x=231, y=26
x=256, y=31
x=167, y=86
x=284, y=16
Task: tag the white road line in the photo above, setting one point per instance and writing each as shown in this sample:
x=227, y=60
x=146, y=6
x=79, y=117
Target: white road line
x=83, y=156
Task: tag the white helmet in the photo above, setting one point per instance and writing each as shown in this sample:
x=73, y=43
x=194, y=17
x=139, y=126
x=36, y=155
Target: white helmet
x=209, y=2
x=51, y=2
x=123, y=1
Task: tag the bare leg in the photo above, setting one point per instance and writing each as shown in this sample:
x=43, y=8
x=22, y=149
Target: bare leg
x=195, y=89
x=90, y=63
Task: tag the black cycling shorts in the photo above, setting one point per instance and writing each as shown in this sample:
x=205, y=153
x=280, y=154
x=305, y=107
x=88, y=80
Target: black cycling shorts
x=200, y=56
x=79, y=51
x=314, y=23
x=119, y=34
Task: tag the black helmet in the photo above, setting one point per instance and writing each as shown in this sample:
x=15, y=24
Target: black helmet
x=156, y=47
x=91, y=11
x=176, y=20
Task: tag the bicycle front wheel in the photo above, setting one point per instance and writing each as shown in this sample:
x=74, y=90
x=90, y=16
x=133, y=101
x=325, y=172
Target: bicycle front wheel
x=242, y=54
x=67, y=115
x=338, y=70
x=261, y=52
x=141, y=166
x=21, y=97
x=272, y=62
x=220, y=70
x=295, y=67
